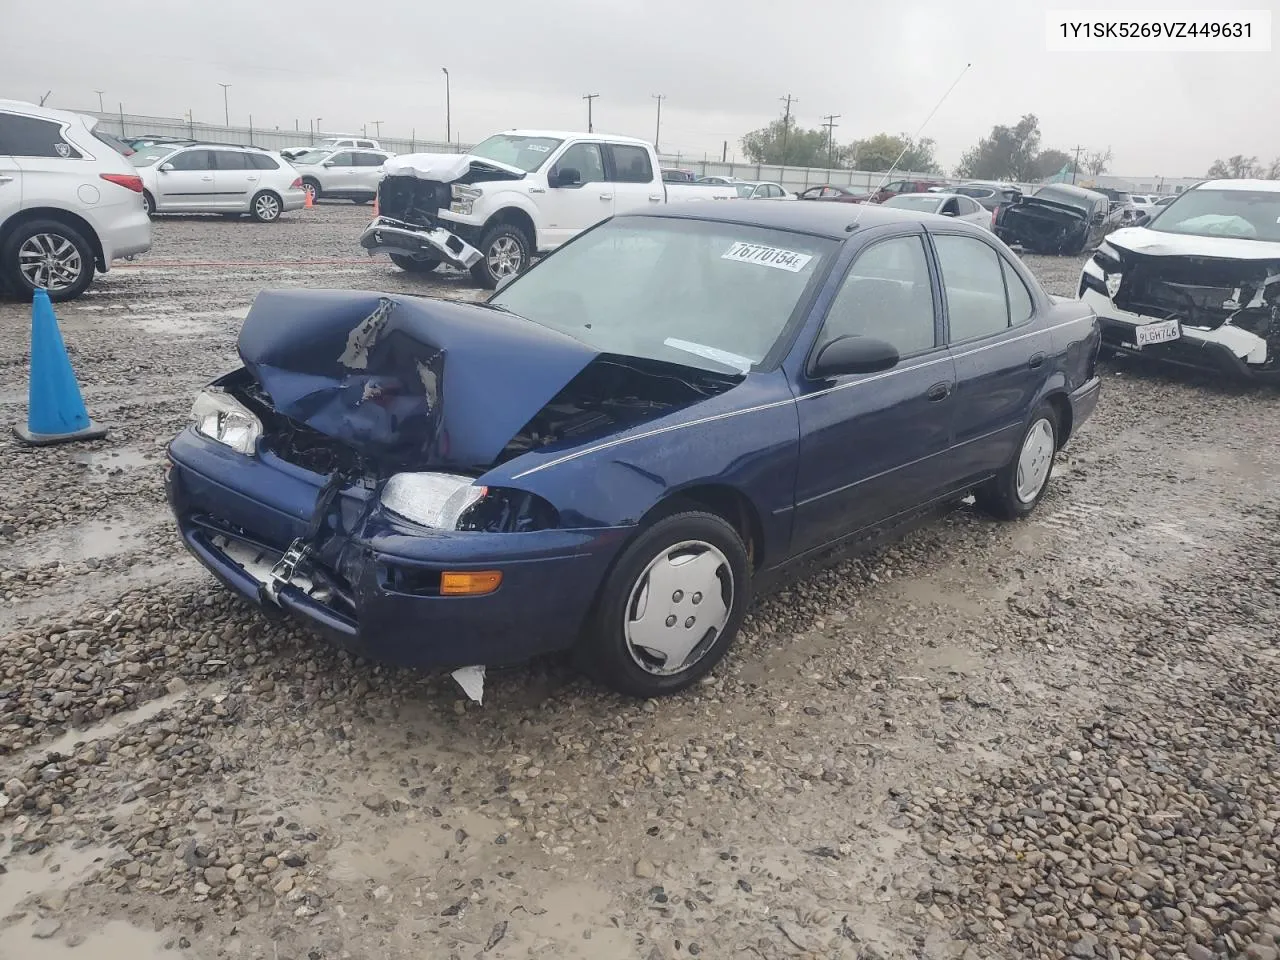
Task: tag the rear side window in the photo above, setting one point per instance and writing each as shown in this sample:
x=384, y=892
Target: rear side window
x=192, y=160
x=231, y=160
x=370, y=159
x=974, y=286
x=260, y=161
x=631, y=164
x=33, y=137
x=1021, y=306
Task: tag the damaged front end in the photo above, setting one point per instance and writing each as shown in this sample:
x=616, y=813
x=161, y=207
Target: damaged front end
x=411, y=196
x=1203, y=311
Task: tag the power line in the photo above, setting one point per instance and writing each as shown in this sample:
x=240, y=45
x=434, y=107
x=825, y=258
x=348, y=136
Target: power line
x=786, y=124
x=831, y=124
x=589, y=97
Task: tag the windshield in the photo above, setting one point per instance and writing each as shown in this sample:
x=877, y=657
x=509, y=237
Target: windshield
x=310, y=156
x=527, y=153
x=924, y=204
x=1243, y=214
x=705, y=294
x=146, y=156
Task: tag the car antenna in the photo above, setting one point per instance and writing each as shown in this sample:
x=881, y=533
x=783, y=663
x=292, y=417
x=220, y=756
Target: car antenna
x=907, y=146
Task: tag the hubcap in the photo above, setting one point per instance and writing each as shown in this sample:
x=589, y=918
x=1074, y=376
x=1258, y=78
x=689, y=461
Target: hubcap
x=1034, y=460
x=50, y=261
x=505, y=257
x=678, y=607
x=311, y=190
x=268, y=208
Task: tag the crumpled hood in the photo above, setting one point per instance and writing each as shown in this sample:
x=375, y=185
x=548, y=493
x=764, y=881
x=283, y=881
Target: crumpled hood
x=1154, y=243
x=1045, y=204
x=408, y=382
x=444, y=167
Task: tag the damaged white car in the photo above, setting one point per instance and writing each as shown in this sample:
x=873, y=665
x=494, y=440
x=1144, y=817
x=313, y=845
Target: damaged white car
x=1200, y=284
x=514, y=196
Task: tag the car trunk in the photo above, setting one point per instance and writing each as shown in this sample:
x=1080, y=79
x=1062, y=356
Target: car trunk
x=1044, y=226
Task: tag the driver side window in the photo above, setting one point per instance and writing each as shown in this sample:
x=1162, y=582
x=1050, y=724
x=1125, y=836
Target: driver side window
x=886, y=294
x=586, y=159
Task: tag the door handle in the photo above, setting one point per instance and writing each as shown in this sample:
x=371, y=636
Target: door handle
x=939, y=391
x=1036, y=361
x=655, y=197
x=252, y=179
x=4, y=179
x=606, y=196
x=206, y=178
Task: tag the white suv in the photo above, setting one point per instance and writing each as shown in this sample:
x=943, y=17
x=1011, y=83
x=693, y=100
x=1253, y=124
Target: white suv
x=360, y=143
x=69, y=202
x=346, y=174
x=218, y=178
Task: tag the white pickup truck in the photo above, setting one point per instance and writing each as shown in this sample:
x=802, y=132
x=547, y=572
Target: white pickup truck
x=514, y=196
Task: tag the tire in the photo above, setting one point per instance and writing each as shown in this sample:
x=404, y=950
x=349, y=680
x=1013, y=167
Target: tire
x=313, y=186
x=609, y=649
x=148, y=203
x=33, y=245
x=505, y=250
x=266, y=206
x=410, y=265
x=1001, y=496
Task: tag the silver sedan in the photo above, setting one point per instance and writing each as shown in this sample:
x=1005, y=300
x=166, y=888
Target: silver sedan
x=945, y=204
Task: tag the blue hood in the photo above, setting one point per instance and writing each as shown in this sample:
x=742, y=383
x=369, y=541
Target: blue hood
x=407, y=382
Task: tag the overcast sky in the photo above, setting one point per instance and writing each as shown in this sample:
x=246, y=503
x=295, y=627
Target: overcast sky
x=513, y=63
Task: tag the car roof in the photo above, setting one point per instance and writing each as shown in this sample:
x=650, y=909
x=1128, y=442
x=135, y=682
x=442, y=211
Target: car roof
x=931, y=194
x=48, y=113
x=576, y=135
x=831, y=220
x=1269, y=186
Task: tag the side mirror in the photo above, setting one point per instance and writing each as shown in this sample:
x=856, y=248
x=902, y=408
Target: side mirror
x=166, y=168
x=948, y=213
x=845, y=355
x=565, y=177
x=327, y=163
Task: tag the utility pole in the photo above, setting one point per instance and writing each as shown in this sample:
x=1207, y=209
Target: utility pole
x=101, y=108
x=590, y=126
x=448, y=108
x=657, y=129
x=724, y=152
x=1075, y=167
x=786, y=124
x=226, y=110
x=831, y=124
x=377, y=127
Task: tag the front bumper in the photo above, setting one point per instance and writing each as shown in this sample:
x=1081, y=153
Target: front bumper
x=376, y=591
x=437, y=243
x=1226, y=349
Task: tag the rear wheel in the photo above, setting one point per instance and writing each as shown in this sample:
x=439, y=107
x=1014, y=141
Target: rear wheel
x=411, y=265
x=148, y=203
x=48, y=254
x=505, y=251
x=670, y=607
x=312, y=187
x=1020, y=485
x=265, y=207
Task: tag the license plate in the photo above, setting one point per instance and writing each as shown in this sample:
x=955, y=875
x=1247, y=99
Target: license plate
x=1161, y=332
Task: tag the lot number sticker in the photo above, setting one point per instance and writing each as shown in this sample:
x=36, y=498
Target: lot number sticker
x=758, y=253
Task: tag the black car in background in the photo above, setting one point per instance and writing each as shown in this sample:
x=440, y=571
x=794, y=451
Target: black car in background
x=1057, y=218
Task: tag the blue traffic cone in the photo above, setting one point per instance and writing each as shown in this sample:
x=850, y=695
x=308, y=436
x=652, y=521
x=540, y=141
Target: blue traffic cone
x=55, y=409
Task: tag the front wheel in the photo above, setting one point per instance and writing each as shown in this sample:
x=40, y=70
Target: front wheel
x=148, y=203
x=47, y=254
x=670, y=608
x=265, y=207
x=412, y=265
x=1021, y=484
x=505, y=252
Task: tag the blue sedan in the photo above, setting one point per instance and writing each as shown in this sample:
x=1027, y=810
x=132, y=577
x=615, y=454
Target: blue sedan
x=622, y=444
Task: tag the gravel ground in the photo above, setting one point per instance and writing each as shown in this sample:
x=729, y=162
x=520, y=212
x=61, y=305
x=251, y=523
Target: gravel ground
x=1050, y=738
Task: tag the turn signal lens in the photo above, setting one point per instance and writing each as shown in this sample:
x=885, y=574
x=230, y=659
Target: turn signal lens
x=469, y=583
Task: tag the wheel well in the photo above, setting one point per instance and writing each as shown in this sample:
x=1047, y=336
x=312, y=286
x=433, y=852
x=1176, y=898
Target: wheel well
x=725, y=502
x=62, y=216
x=1062, y=407
x=516, y=218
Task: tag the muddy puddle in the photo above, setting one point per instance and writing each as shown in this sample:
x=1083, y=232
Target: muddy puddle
x=100, y=464
x=90, y=540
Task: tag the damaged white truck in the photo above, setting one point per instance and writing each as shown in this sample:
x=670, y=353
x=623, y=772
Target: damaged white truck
x=1199, y=285
x=514, y=196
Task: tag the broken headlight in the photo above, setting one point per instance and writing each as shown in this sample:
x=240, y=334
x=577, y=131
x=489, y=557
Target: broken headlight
x=221, y=417
x=1107, y=258
x=435, y=500
x=463, y=198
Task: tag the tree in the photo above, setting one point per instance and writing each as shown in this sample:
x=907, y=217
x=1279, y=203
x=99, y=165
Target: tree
x=1051, y=162
x=803, y=148
x=1273, y=171
x=882, y=152
x=1096, y=161
x=1238, y=167
x=1007, y=153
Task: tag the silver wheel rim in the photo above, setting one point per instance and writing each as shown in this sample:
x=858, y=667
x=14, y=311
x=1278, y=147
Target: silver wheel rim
x=1035, y=460
x=678, y=607
x=505, y=257
x=50, y=260
x=311, y=190
x=146, y=205
x=267, y=207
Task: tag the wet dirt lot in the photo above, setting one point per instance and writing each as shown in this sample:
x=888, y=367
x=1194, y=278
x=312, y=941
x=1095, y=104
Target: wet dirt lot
x=1057, y=737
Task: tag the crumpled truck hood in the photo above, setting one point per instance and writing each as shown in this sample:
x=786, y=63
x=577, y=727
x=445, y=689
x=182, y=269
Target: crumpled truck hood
x=1154, y=243
x=407, y=382
x=1050, y=206
x=445, y=167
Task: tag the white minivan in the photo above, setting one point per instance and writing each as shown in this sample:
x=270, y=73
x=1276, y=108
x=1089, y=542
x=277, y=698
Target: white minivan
x=70, y=204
